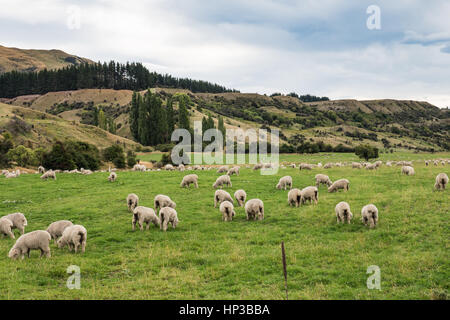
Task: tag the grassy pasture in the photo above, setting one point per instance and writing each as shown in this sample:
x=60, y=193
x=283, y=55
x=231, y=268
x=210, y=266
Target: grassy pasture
x=205, y=258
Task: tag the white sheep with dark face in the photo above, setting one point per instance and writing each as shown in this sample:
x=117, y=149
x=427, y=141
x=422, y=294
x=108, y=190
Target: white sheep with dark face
x=369, y=215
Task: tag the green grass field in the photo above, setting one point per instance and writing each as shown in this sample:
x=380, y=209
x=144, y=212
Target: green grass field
x=205, y=258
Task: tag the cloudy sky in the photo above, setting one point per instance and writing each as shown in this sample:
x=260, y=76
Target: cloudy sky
x=321, y=47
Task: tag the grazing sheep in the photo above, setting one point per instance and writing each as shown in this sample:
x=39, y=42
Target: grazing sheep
x=234, y=170
x=5, y=172
x=86, y=172
x=254, y=209
x=197, y=167
x=6, y=227
x=221, y=196
x=168, y=215
x=311, y=194
x=389, y=164
x=371, y=166
x=139, y=167
x=240, y=196
x=407, y=170
x=441, y=181
x=56, y=229
x=378, y=164
x=132, y=201
x=49, y=175
x=188, y=180
x=181, y=168
x=143, y=215
x=10, y=175
x=227, y=210
x=169, y=167
x=436, y=163
x=162, y=201
x=305, y=166
x=342, y=184
x=370, y=215
x=343, y=213
x=36, y=240
x=221, y=181
x=258, y=166
x=284, y=183
x=293, y=166
x=112, y=177
x=295, y=197
x=320, y=165
x=74, y=237
x=323, y=179
x=223, y=169
x=427, y=163
x=18, y=220
x=41, y=170
x=328, y=166
x=357, y=165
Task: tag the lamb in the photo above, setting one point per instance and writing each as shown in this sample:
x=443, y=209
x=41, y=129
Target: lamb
x=254, y=209
x=407, y=170
x=143, y=215
x=132, y=201
x=221, y=196
x=41, y=170
x=188, y=180
x=162, y=201
x=49, y=175
x=285, y=182
x=294, y=197
x=36, y=240
x=168, y=215
x=370, y=215
x=112, y=177
x=18, y=220
x=56, y=229
x=234, y=170
x=323, y=179
x=240, y=196
x=222, y=169
x=6, y=227
x=441, y=181
x=221, y=181
x=311, y=194
x=343, y=213
x=74, y=237
x=227, y=210
x=342, y=184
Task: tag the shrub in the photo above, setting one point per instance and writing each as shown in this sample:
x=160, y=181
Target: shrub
x=5, y=145
x=131, y=159
x=115, y=155
x=366, y=152
x=58, y=158
x=23, y=156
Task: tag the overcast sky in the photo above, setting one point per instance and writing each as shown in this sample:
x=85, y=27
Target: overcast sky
x=321, y=47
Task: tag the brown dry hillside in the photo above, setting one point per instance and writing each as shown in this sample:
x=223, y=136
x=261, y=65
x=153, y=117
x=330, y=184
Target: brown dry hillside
x=33, y=128
x=36, y=60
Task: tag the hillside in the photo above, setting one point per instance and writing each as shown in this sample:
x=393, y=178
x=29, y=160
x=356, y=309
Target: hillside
x=33, y=128
x=35, y=60
x=388, y=124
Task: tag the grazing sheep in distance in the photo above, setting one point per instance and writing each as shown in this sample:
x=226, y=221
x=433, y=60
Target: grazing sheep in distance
x=181, y=168
x=342, y=184
x=139, y=167
x=427, y=163
x=221, y=181
x=223, y=169
x=284, y=183
x=18, y=220
x=168, y=215
x=357, y=165
x=378, y=164
x=407, y=170
x=240, y=196
x=144, y=215
x=49, y=175
x=10, y=175
x=227, y=210
x=169, y=167
x=41, y=170
x=56, y=229
x=162, y=201
x=132, y=201
x=311, y=194
x=295, y=197
x=188, y=180
x=323, y=179
x=441, y=181
x=328, y=166
x=74, y=237
x=197, y=167
x=369, y=215
x=254, y=209
x=305, y=166
x=343, y=213
x=371, y=166
x=6, y=227
x=258, y=166
x=221, y=196
x=112, y=177
x=234, y=170
x=389, y=164
x=36, y=240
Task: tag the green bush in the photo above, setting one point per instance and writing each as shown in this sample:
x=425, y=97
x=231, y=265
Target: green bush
x=115, y=154
x=131, y=159
x=72, y=154
x=6, y=144
x=23, y=156
x=367, y=152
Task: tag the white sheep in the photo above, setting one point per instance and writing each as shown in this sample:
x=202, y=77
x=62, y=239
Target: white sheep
x=234, y=170
x=221, y=181
x=284, y=183
x=36, y=240
x=328, y=166
x=221, y=196
x=323, y=179
x=181, y=168
x=74, y=237
x=168, y=215
x=311, y=194
x=6, y=227
x=132, y=201
x=254, y=209
x=295, y=197
x=407, y=170
x=240, y=196
x=343, y=213
x=139, y=167
x=371, y=166
x=227, y=210
x=49, y=175
x=258, y=166
x=305, y=166
x=441, y=181
x=162, y=201
x=57, y=228
x=41, y=170
x=222, y=169
x=112, y=177
x=357, y=165
x=188, y=180
x=143, y=215
x=169, y=167
x=18, y=220
x=10, y=175
x=369, y=215
x=342, y=184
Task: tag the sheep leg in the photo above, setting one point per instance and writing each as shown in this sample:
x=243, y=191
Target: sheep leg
x=10, y=234
x=28, y=252
x=196, y=185
x=148, y=226
x=83, y=246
